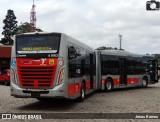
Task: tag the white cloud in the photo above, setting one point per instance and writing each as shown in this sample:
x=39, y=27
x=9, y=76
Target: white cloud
x=95, y=22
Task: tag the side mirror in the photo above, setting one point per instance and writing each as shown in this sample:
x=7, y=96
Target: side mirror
x=72, y=52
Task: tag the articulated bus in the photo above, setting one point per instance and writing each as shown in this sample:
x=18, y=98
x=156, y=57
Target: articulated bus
x=121, y=69
x=158, y=72
x=54, y=65
x=46, y=65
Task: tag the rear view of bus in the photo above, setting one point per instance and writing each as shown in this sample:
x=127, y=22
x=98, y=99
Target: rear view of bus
x=34, y=65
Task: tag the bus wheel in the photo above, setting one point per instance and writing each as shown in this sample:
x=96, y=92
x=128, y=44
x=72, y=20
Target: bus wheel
x=109, y=85
x=82, y=94
x=144, y=82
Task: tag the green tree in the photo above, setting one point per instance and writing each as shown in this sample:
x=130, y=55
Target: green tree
x=26, y=27
x=107, y=48
x=10, y=27
x=104, y=48
x=157, y=56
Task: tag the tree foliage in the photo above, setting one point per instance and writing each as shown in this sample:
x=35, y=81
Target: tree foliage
x=10, y=27
x=157, y=56
x=26, y=27
x=108, y=48
x=6, y=41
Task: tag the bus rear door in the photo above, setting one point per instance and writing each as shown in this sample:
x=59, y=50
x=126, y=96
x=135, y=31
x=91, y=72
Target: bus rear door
x=91, y=71
x=153, y=71
x=122, y=71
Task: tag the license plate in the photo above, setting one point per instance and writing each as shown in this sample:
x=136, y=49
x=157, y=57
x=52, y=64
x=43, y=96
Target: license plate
x=35, y=94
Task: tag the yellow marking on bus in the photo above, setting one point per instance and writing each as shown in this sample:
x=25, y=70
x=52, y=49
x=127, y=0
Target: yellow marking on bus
x=51, y=61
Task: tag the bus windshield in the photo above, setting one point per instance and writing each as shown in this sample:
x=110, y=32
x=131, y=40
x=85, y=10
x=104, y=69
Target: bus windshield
x=37, y=44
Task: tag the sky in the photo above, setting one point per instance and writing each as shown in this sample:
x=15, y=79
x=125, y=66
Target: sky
x=94, y=22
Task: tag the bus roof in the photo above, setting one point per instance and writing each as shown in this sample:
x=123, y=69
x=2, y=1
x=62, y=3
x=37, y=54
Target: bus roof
x=32, y=33
x=124, y=53
x=77, y=42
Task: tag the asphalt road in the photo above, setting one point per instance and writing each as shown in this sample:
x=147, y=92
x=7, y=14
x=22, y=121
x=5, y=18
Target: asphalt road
x=133, y=100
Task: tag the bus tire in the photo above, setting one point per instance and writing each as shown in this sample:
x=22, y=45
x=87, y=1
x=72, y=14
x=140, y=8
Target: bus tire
x=82, y=94
x=109, y=85
x=144, y=82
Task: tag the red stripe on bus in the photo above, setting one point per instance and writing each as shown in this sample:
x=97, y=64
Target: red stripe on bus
x=87, y=85
x=116, y=81
x=73, y=89
x=132, y=80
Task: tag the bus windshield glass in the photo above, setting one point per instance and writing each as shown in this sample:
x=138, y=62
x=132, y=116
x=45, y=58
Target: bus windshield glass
x=37, y=44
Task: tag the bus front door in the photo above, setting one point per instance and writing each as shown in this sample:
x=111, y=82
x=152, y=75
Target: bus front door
x=123, y=71
x=153, y=71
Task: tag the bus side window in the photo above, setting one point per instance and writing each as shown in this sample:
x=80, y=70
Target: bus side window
x=71, y=52
x=72, y=68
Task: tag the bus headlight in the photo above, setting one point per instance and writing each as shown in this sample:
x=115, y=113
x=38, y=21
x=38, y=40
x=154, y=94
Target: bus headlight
x=12, y=76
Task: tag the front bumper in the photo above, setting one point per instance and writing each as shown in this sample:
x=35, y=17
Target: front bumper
x=59, y=91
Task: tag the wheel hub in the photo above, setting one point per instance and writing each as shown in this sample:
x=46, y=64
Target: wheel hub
x=108, y=85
